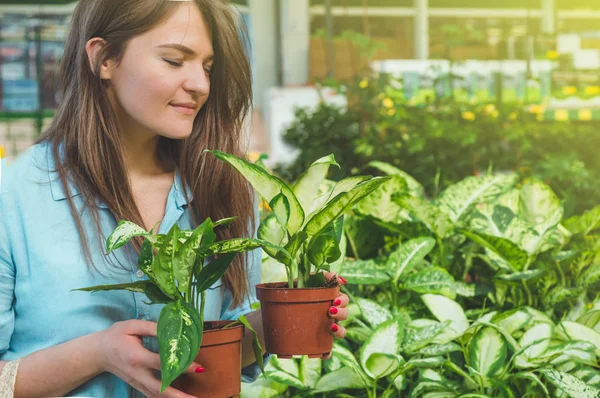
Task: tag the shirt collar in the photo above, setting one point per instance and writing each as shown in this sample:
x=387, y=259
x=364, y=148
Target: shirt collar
x=58, y=192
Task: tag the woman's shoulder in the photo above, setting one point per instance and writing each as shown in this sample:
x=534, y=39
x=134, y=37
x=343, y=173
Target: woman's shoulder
x=28, y=170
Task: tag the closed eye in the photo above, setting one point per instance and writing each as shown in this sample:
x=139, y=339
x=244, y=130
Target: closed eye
x=173, y=63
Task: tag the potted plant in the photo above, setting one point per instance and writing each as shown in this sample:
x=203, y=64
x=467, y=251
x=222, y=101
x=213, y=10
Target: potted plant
x=179, y=274
x=309, y=227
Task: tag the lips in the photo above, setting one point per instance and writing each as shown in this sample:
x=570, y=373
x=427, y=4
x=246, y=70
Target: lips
x=187, y=108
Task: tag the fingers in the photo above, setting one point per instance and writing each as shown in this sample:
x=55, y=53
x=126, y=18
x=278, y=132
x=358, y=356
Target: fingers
x=195, y=368
x=140, y=328
x=342, y=301
x=330, y=275
x=338, y=313
x=339, y=332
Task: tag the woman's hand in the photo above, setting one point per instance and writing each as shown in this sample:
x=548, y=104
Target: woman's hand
x=123, y=355
x=338, y=310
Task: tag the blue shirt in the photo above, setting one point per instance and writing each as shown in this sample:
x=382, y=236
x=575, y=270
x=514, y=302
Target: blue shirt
x=41, y=261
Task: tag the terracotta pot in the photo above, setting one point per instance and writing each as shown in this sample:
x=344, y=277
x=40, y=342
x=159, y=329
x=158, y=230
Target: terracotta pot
x=221, y=356
x=295, y=321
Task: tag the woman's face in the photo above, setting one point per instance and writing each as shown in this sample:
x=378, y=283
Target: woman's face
x=163, y=78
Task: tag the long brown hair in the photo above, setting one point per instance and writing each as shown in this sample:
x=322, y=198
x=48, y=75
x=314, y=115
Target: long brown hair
x=85, y=122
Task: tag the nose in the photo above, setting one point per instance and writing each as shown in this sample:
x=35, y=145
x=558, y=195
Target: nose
x=197, y=82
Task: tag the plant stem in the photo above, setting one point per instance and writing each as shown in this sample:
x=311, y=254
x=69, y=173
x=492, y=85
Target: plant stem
x=451, y=366
x=528, y=293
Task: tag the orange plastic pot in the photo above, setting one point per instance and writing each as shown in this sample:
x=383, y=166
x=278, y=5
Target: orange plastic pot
x=295, y=321
x=221, y=356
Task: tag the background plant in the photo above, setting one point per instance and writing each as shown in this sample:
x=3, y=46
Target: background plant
x=467, y=139
x=483, y=290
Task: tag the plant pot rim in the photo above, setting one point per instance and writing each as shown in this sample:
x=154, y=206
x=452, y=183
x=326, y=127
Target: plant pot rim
x=218, y=335
x=283, y=286
x=279, y=292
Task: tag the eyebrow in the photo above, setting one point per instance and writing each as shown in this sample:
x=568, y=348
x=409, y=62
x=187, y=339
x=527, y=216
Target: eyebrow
x=184, y=49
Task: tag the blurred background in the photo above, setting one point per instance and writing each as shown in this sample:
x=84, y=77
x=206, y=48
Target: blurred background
x=377, y=79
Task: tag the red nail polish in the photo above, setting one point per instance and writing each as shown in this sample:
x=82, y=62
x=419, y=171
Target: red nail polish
x=199, y=369
x=337, y=302
x=342, y=280
x=334, y=328
x=333, y=310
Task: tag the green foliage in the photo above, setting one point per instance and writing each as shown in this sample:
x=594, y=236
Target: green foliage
x=443, y=142
x=175, y=264
x=502, y=301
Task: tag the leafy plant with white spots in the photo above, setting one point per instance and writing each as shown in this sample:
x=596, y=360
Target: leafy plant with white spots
x=180, y=266
x=484, y=291
x=305, y=220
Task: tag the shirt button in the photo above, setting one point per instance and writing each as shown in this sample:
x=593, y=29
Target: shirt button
x=139, y=274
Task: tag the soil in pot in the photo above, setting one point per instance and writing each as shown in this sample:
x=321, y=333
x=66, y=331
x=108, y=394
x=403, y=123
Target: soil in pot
x=221, y=357
x=295, y=321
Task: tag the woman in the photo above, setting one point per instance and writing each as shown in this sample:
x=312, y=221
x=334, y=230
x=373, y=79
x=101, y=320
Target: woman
x=146, y=86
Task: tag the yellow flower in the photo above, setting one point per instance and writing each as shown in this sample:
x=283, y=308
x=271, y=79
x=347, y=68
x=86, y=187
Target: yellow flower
x=494, y=114
x=364, y=83
x=253, y=157
x=468, y=116
x=388, y=103
x=490, y=108
x=552, y=54
x=536, y=109
x=592, y=90
x=391, y=112
x=569, y=90
x=513, y=116
x=2, y=154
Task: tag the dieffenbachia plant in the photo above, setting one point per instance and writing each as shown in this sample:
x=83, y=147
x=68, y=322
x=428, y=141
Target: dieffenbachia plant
x=308, y=225
x=179, y=276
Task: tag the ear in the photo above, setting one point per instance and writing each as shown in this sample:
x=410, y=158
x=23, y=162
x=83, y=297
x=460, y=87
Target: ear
x=93, y=48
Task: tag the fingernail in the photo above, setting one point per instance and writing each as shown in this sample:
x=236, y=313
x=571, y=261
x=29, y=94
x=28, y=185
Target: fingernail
x=337, y=302
x=199, y=369
x=334, y=328
x=342, y=280
x=333, y=310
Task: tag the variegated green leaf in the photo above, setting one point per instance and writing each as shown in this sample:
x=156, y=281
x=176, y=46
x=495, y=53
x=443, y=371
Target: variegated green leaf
x=332, y=191
x=537, y=202
x=364, y=272
x=429, y=214
x=431, y=280
x=425, y=363
x=585, y=223
x=162, y=267
x=346, y=357
x=580, y=332
x=386, y=339
x=514, y=320
x=125, y=231
x=458, y=199
x=415, y=188
x=379, y=203
x=271, y=230
x=267, y=186
x=535, y=379
x=338, y=380
x=374, y=313
x=340, y=205
x=504, y=248
x=534, y=342
x=179, y=337
x=434, y=350
x=408, y=255
x=281, y=208
x=520, y=276
x=445, y=309
x=381, y=365
x=570, y=384
x=212, y=272
x=308, y=184
x=310, y=371
x=488, y=352
x=184, y=257
x=238, y=245
x=419, y=336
